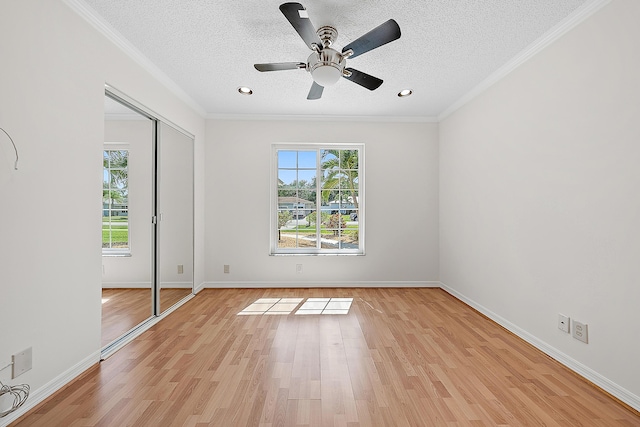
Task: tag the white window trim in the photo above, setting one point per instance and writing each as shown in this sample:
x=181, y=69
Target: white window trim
x=273, y=184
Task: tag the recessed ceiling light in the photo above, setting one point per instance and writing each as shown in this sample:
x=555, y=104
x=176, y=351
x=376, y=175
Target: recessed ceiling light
x=405, y=92
x=245, y=90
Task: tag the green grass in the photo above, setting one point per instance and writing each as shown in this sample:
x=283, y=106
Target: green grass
x=115, y=219
x=119, y=234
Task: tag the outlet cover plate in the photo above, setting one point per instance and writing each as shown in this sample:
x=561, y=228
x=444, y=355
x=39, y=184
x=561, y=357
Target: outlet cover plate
x=581, y=331
x=21, y=362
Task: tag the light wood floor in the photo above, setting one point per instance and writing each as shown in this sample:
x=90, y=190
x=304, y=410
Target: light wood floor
x=125, y=308
x=401, y=357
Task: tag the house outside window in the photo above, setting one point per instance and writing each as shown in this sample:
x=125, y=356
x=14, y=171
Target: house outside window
x=317, y=199
x=115, y=202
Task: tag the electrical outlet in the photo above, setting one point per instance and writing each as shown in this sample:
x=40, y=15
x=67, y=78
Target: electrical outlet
x=21, y=362
x=180, y=269
x=563, y=323
x=581, y=331
x=226, y=269
x=298, y=268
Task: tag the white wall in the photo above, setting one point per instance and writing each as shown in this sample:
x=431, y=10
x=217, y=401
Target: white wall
x=133, y=271
x=54, y=67
x=539, y=206
x=401, y=168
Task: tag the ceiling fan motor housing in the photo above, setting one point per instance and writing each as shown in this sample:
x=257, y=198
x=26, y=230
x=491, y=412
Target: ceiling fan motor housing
x=326, y=66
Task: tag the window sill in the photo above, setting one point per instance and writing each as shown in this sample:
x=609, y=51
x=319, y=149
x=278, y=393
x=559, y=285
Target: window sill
x=116, y=254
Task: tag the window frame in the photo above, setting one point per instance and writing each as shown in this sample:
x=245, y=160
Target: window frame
x=111, y=251
x=274, y=250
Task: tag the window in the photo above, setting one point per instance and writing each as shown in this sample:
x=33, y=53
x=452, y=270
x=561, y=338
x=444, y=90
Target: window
x=115, y=202
x=317, y=203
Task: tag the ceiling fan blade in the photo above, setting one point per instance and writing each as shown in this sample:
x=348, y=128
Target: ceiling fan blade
x=316, y=91
x=363, y=79
x=381, y=35
x=296, y=14
x=279, y=66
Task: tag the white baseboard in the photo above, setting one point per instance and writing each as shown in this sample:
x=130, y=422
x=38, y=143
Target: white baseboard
x=589, y=374
x=126, y=285
x=199, y=287
x=320, y=284
x=176, y=285
x=145, y=285
x=51, y=387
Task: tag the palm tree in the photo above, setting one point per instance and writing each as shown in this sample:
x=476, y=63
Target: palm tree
x=341, y=169
x=112, y=196
x=117, y=161
x=115, y=187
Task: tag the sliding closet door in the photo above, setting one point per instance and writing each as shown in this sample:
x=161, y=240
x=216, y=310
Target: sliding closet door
x=147, y=224
x=174, y=257
x=127, y=209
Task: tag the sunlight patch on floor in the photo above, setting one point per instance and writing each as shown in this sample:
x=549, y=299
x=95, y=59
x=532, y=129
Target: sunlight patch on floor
x=263, y=306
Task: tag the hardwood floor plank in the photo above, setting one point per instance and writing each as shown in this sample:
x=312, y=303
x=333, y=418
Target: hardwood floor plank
x=125, y=308
x=400, y=357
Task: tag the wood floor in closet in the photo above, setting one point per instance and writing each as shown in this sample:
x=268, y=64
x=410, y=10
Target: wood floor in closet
x=125, y=308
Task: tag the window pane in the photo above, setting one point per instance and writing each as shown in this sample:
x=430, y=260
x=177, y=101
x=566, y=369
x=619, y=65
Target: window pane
x=328, y=156
x=307, y=160
x=287, y=159
x=286, y=177
x=287, y=192
x=349, y=180
x=306, y=178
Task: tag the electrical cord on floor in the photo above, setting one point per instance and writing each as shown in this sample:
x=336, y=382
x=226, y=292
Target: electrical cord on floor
x=19, y=392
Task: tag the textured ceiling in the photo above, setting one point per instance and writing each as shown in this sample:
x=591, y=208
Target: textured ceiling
x=447, y=48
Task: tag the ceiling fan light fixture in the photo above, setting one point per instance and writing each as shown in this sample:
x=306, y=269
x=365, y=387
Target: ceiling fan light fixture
x=326, y=67
x=326, y=75
x=404, y=93
x=244, y=90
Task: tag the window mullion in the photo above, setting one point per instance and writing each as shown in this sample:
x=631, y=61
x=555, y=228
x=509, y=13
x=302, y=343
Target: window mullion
x=318, y=200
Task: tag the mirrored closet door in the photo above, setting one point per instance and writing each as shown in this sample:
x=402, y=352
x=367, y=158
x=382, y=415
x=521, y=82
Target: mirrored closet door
x=127, y=207
x=147, y=218
x=175, y=216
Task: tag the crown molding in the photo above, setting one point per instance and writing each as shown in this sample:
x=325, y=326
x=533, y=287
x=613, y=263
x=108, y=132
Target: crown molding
x=573, y=20
x=96, y=21
x=323, y=118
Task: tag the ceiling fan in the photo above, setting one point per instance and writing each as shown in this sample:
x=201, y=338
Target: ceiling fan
x=325, y=64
